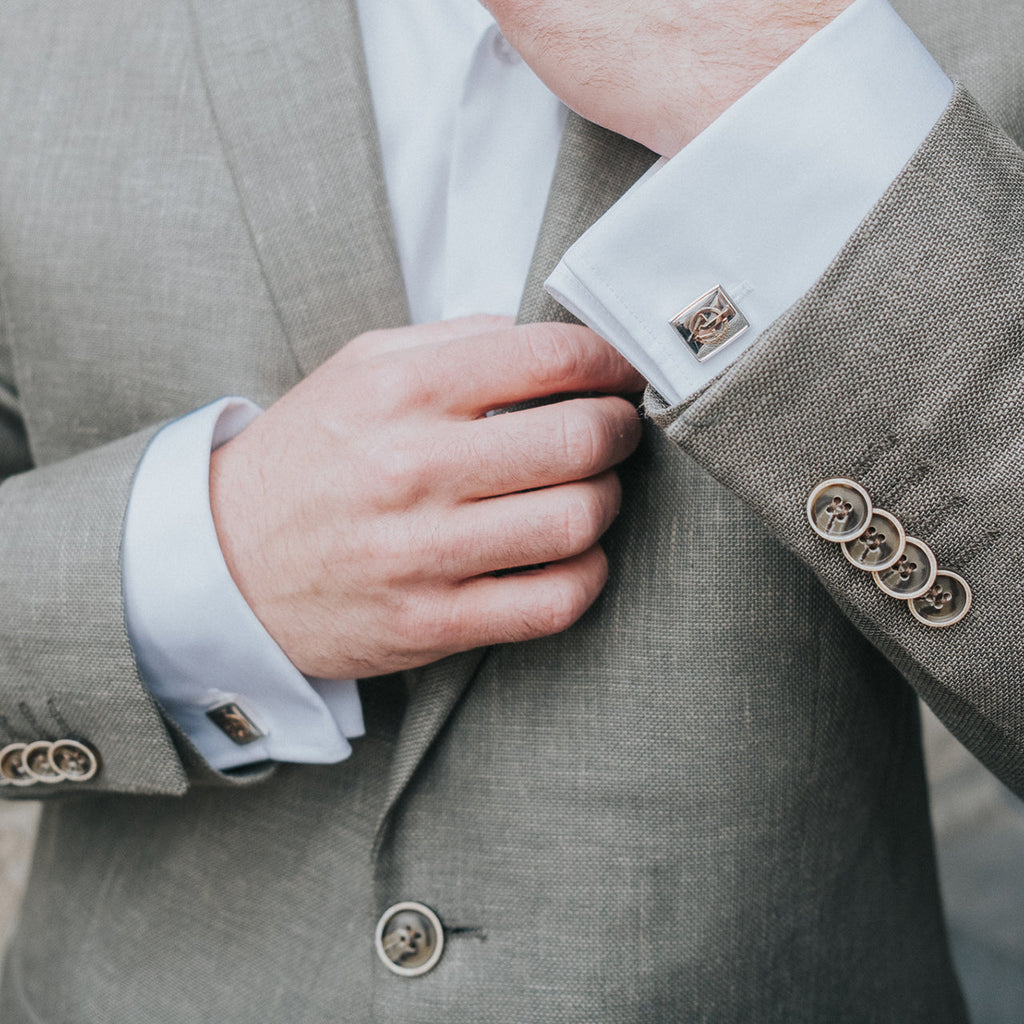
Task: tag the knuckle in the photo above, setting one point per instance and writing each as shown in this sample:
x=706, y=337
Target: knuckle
x=376, y=386
x=625, y=419
x=596, y=433
x=555, y=354
x=407, y=619
x=433, y=621
x=365, y=343
x=394, y=383
x=562, y=607
x=357, y=349
x=403, y=477
x=451, y=623
x=581, y=440
x=458, y=460
x=401, y=381
x=422, y=622
x=397, y=471
x=611, y=496
x=617, y=428
x=585, y=518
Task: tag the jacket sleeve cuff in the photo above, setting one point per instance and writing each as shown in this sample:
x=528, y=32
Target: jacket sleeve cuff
x=900, y=370
x=66, y=666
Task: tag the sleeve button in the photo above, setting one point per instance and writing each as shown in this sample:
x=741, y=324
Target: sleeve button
x=839, y=510
x=75, y=761
x=12, y=765
x=38, y=764
x=946, y=602
x=879, y=546
x=912, y=574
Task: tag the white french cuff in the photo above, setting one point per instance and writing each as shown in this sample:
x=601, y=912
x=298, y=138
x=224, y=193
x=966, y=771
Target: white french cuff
x=197, y=643
x=761, y=201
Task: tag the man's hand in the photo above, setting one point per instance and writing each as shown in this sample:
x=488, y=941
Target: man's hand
x=657, y=71
x=363, y=516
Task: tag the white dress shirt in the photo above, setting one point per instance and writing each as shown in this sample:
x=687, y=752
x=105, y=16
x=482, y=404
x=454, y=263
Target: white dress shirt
x=759, y=203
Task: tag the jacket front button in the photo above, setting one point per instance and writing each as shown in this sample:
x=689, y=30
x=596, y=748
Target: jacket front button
x=409, y=939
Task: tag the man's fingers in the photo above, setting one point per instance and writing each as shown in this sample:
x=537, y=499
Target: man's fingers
x=526, y=362
x=377, y=343
x=525, y=606
x=534, y=527
x=546, y=445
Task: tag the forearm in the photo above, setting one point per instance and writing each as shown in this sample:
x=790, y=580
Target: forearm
x=658, y=73
x=66, y=668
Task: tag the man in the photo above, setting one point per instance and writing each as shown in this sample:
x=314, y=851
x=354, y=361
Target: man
x=703, y=801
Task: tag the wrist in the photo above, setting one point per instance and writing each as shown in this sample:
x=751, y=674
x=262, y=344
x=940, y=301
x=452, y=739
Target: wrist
x=233, y=510
x=726, y=59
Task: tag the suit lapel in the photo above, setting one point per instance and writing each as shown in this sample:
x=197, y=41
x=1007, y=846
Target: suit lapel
x=288, y=88
x=594, y=168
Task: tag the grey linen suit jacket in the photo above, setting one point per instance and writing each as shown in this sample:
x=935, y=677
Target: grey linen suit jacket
x=705, y=801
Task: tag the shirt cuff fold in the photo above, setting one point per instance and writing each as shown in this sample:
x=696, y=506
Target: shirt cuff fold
x=196, y=641
x=762, y=201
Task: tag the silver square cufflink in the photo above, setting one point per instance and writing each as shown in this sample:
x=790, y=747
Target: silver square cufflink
x=709, y=323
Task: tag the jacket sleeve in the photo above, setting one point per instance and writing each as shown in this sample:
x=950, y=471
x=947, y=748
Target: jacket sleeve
x=903, y=370
x=66, y=666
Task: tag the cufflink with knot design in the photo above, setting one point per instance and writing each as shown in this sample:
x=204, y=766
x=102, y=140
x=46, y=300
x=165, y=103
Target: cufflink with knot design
x=709, y=323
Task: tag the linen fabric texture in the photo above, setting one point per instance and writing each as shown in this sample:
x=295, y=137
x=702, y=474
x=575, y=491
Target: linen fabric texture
x=705, y=802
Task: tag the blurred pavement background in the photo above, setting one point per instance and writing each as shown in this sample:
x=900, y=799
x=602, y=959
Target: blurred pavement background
x=980, y=828
x=17, y=828
x=979, y=825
